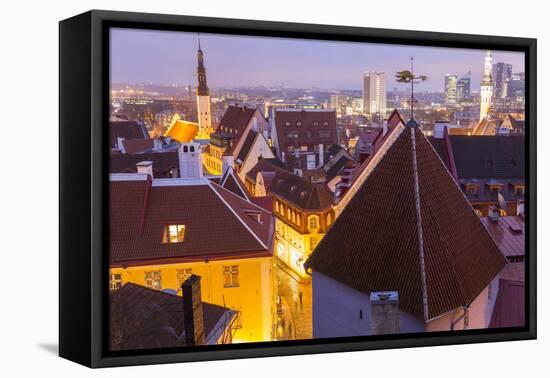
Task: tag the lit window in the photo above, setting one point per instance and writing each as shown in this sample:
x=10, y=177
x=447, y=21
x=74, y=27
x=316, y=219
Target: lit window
x=231, y=276
x=288, y=123
x=115, y=281
x=174, y=233
x=182, y=275
x=298, y=219
x=315, y=123
x=325, y=123
x=329, y=219
x=153, y=280
x=276, y=206
x=288, y=213
x=299, y=123
x=519, y=190
x=471, y=190
x=313, y=222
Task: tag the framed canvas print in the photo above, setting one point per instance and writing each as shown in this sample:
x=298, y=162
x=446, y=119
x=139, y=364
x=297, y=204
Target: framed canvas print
x=234, y=188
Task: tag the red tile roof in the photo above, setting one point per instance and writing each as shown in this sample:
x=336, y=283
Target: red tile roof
x=233, y=183
x=235, y=121
x=509, y=310
x=127, y=130
x=427, y=243
x=143, y=318
x=301, y=192
x=218, y=223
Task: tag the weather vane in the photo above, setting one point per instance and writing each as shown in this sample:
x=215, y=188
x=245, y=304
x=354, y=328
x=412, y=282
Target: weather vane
x=408, y=77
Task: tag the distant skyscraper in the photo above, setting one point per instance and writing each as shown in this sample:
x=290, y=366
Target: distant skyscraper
x=502, y=72
x=203, y=99
x=450, y=89
x=463, y=88
x=486, y=92
x=374, y=94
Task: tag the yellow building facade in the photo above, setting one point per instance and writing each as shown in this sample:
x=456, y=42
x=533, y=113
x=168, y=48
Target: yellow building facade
x=297, y=233
x=243, y=285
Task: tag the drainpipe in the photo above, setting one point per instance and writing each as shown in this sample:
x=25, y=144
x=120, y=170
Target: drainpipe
x=464, y=316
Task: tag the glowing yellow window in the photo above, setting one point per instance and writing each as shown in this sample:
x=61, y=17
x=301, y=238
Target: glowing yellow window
x=174, y=233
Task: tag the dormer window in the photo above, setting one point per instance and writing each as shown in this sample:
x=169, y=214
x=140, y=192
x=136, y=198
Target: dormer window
x=299, y=123
x=519, y=190
x=471, y=190
x=174, y=233
x=288, y=123
x=316, y=123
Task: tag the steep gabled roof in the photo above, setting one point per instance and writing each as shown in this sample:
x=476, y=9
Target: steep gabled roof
x=409, y=228
x=217, y=222
x=145, y=318
x=247, y=145
x=265, y=165
x=301, y=192
x=233, y=183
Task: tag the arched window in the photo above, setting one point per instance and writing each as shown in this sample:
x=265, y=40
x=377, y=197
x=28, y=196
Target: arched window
x=329, y=219
x=313, y=222
x=192, y=148
x=185, y=149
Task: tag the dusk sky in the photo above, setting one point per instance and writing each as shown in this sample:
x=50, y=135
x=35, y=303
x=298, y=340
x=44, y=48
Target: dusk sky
x=161, y=57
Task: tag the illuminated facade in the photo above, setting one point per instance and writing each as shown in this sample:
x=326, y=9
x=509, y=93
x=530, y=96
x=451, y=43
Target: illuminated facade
x=203, y=99
x=303, y=213
x=162, y=232
x=374, y=94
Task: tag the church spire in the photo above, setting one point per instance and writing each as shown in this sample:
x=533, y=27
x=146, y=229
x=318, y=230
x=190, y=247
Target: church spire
x=202, y=88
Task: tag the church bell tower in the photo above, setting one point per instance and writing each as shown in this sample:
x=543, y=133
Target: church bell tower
x=203, y=99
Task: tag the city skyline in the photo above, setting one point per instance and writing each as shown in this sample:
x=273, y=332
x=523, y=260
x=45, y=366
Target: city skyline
x=148, y=57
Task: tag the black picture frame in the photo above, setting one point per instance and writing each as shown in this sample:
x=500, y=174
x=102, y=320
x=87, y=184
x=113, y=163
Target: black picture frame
x=83, y=196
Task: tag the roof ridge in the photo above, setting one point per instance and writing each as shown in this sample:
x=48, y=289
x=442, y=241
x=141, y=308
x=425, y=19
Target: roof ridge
x=235, y=213
x=419, y=226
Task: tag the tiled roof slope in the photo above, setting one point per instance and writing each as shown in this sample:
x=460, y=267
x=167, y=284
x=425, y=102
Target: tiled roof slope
x=217, y=224
x=155, y=318
x=375, y=243
x=232, y=183
x=247, y=145
x=301, y=192
x=485, y=156
x=127, y=130
x=509, y=306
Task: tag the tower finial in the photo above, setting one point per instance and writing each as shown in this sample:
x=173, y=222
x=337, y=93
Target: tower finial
x=199, y=39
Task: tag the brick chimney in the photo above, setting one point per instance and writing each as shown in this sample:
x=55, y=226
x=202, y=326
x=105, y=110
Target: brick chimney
x=384, y=312
x=192, y=311
x=145, y=167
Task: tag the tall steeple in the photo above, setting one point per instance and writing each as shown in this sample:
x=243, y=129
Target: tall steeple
x=203, y=98
x=486, y=90
x=202, y=89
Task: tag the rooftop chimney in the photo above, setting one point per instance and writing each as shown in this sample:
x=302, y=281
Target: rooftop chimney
x=494, y=213
x=384, y=312
x=190, y=159
x=145, y=167
x=193, y=321
x=521, y=208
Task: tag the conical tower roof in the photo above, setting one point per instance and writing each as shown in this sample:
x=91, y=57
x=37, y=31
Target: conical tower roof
x=409, y=228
